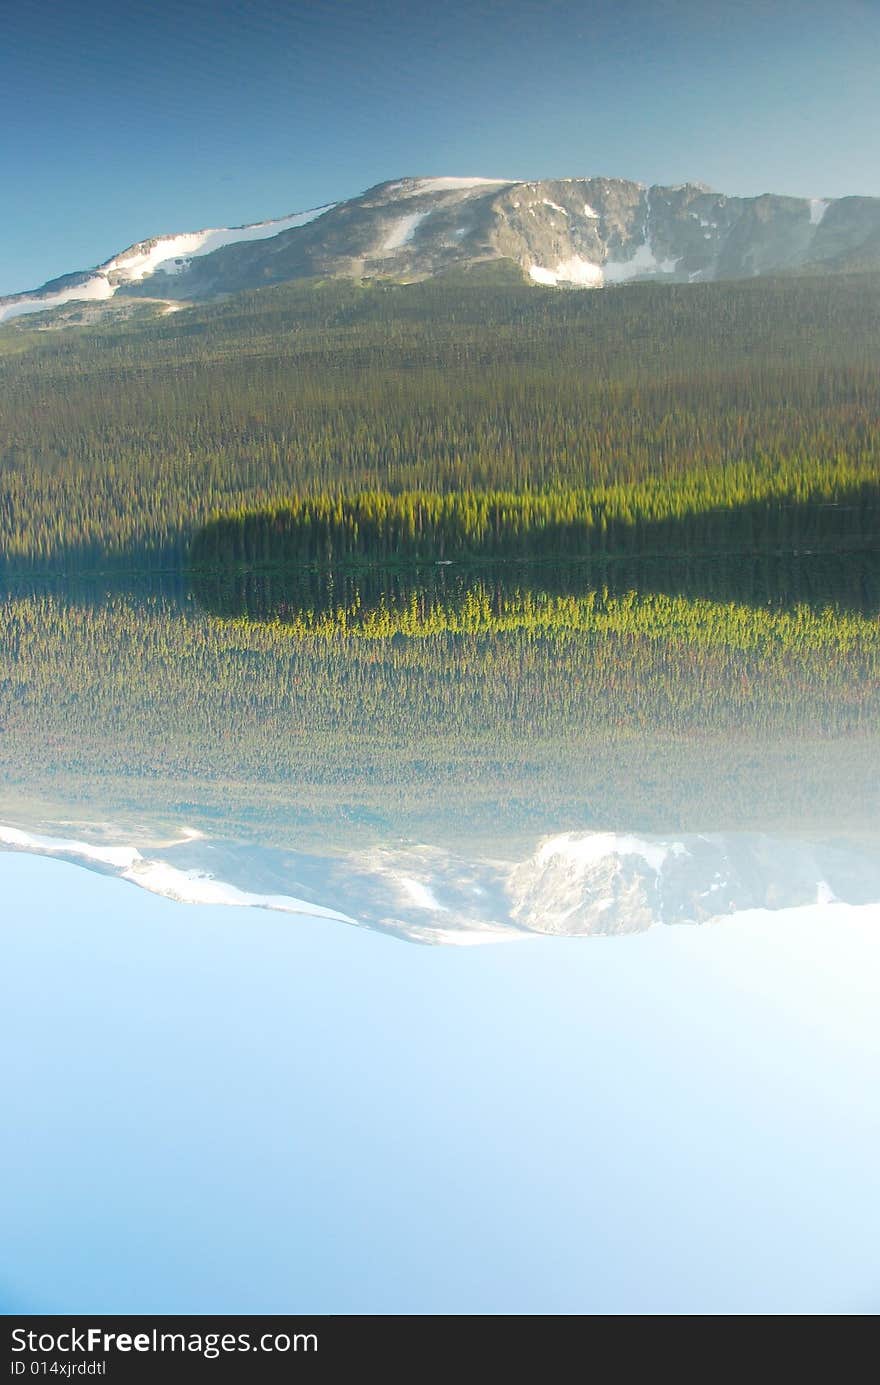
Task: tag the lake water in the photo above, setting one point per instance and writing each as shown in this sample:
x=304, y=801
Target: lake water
x=233, y=1084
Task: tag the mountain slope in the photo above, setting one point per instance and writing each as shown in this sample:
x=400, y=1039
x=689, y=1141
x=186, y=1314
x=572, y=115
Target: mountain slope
x=160, y=258
x=584, y=232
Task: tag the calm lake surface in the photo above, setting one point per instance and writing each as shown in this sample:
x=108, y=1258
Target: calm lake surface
x=230, y=808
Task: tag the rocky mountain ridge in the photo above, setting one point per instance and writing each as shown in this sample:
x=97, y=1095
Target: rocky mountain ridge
x=579, y=232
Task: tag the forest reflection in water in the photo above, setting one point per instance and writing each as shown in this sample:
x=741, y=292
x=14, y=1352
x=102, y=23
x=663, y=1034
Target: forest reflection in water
x=446, y=703
x=315, y=598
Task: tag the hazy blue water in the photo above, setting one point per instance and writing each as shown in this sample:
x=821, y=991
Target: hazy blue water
x=215, y=1110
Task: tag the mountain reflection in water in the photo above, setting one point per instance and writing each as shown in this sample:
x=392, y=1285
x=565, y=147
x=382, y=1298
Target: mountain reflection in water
x=575, y=884
x=420, y=725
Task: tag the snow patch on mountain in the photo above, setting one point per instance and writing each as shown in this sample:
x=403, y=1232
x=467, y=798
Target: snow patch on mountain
x=576, y=270
x=404, y=230
x=164, y=254
x=644, y=262
x=455, y=184
x=91, y=291
x=818, y=208
x=169, y=254
x=583, y=273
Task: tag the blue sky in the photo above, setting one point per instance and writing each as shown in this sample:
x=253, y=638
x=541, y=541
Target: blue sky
x=128, y=120
x=220, y=1110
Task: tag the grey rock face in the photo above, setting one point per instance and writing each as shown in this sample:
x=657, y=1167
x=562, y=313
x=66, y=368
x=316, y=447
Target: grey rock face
x=585, y=232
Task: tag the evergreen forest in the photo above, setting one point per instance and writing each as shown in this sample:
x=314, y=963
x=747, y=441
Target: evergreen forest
x=120, y=442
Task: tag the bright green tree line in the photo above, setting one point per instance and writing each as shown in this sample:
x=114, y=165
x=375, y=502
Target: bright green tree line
x=737, y=509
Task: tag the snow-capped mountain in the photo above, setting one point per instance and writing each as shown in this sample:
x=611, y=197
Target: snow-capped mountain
x=574, y=884
x=161, y=257
x=583, y=232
